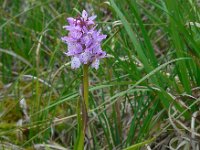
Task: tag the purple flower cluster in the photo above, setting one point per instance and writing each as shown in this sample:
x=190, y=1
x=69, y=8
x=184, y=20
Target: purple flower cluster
x=84, y=41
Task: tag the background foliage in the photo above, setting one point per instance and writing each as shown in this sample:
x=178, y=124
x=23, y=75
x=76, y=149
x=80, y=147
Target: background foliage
x=144, y=95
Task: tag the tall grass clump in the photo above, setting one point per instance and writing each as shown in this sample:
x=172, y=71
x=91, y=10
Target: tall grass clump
x=145, y=94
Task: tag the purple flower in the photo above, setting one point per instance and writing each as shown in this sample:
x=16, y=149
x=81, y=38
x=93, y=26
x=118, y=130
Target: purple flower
x=83, y=41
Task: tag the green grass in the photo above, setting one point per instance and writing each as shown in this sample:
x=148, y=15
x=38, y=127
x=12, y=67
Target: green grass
x=144, y=93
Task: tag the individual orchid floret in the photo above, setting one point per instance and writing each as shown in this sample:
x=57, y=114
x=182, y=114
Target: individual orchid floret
x=84, y=41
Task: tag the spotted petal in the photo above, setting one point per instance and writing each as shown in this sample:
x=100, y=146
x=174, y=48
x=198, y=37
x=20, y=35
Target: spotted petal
x=95, y=64
x=85, y=15
x=75, y=63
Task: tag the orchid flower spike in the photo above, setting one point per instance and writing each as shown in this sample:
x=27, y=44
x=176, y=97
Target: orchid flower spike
x=83, y=41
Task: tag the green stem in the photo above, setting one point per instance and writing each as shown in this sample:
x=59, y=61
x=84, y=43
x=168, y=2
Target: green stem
x=85, y=85
x=82, y=123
